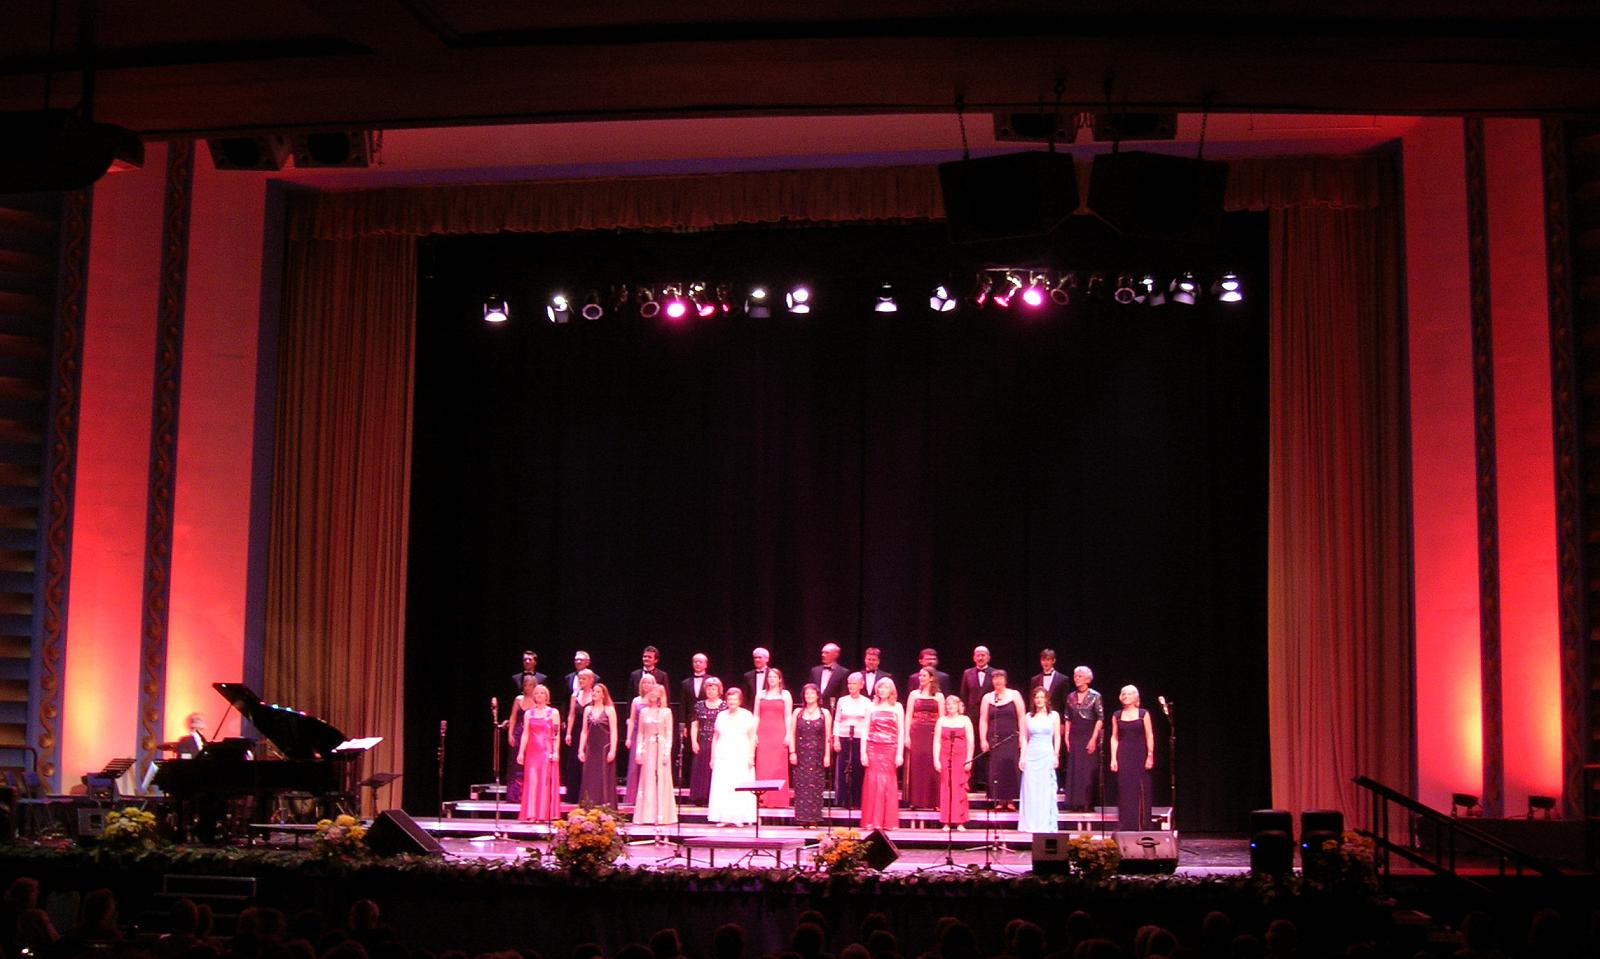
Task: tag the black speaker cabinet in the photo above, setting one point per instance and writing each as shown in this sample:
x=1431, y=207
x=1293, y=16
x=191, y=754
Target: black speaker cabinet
x=1052, y=853
x=1271, y=852
x=1147, y=852
x=1158, y=197
x=1014, y=201
x=395, y=832
x=881, y=850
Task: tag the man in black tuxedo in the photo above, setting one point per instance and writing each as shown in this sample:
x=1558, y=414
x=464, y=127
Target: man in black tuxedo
x=647, y=660
x=569, y=682
x=977, y=682
x=1055, y=683
x=872, y=670
x=927, y=659
x=530, y=664
x=829, y=678
x=756, y=678
x=692, y=690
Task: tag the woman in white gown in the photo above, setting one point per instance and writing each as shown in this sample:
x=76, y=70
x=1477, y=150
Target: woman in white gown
x=733, y=763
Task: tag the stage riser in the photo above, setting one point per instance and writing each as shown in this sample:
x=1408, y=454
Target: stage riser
x=480, y=809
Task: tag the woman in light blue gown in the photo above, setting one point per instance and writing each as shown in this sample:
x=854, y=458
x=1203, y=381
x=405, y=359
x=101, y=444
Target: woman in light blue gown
x=1040, y=756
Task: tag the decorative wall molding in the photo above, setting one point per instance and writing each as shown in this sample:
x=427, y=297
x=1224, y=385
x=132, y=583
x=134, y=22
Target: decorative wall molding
x=154, y=619
x=1488, y=484
x=1564, y=420
x=60, y=484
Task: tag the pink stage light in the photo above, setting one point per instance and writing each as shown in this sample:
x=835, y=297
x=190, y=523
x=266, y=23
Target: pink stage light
x=1033, y=297
x=676, y=309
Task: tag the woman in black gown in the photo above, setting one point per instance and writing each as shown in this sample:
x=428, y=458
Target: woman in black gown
x=706, y=711
x=1133, y=753
x=1086, y=714
x=597, y=748
x=810, y=731
x=997, y=731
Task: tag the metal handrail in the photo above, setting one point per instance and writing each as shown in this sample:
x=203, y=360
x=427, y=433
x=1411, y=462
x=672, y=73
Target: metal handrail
x=1447, y=828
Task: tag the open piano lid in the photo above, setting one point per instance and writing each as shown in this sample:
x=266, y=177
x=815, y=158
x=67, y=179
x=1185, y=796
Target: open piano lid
x=297, y=735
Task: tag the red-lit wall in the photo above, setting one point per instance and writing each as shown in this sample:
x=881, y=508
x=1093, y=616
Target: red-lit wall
x=205, y=639
x=100, y=701
x=1449, y=736
x=1525, y=464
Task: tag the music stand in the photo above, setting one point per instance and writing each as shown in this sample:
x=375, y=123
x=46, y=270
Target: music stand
x=375, y=782
x=760, y=787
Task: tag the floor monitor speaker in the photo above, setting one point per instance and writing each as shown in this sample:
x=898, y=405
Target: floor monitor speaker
x=1052, y=853
x=881, y=850
x=1146, y=852
x=395, y=832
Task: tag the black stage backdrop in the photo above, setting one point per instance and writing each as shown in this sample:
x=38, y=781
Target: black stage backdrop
x=1091, y=479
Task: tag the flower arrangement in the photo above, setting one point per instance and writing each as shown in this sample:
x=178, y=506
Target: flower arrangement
x=841, y=851
x=1094, y=858
x=340, y=837
x=132, y=828
x=1351, y=863
x=589, y=838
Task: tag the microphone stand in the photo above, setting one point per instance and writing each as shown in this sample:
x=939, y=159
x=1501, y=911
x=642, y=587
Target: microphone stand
x=991, y=845
x=677, y=823
x=444, y=726
x=494, y=732
x=1172, y=764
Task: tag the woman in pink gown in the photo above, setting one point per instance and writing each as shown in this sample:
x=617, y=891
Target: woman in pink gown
x=880, y=796
x=773, y=706
x=540, y=756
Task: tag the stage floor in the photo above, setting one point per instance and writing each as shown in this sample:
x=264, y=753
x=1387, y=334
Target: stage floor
x=920, y=849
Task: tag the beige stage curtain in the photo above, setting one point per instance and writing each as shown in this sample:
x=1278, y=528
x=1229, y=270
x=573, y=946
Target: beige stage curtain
x=1338, y=590
x=335, y=632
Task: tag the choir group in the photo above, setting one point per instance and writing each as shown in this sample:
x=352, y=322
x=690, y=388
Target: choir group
x=848, y=730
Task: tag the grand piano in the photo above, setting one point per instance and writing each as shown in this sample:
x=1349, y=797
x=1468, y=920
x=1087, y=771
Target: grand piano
x=209, y=789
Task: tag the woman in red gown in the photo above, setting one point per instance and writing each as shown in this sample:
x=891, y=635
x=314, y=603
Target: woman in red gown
x=773, y=706
x=540, y=755
x=923, y=707
x=886, y=738
x=953, y=749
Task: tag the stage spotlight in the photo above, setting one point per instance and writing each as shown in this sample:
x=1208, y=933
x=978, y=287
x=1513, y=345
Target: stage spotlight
x=1466, y=802
x=798, y=299
x=1124, y=292
x=1009, y=285
x=649, y=306
x=1228, y=289
x=886, y=303
x=1034, y=296
x=941, y=301
x=496, y=309
x=1185, y=290
x=1541, y=807
x=1061, y=293
x=1095, y=286
x=559, y=310
x=673, y=304
x=980, y=293
x=703, y=307
x=592, y=310
x=1148, y=293
x=725, y=297
x=757, y=304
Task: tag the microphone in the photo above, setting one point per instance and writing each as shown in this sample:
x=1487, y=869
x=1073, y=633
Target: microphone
x=1166, y=707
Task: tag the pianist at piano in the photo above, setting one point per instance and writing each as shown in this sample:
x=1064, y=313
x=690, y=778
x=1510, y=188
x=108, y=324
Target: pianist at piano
x=223, y=785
